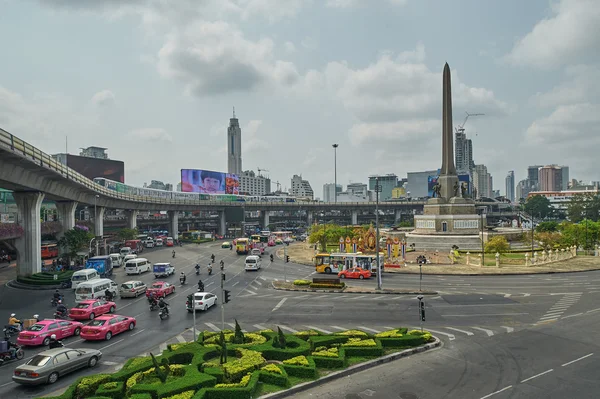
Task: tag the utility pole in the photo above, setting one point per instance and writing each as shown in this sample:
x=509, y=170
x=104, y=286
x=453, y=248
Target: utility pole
x=222, y=296
x=335, y=147
x=421, y=311
x=285, y=259
x=96, y=223
x=377, y=190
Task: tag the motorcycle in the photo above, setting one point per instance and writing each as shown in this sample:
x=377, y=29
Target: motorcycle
x=197, y=270
x=209, y=270
x=173, y=254
x=182, y=280
x=61, y=315
x=54, y=301
x=66, y=284
x=9, y=356
x=10, y=330
x=153, y=304
x=164, y=312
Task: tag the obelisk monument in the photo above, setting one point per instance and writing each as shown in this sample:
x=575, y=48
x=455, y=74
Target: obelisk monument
x=448, y=179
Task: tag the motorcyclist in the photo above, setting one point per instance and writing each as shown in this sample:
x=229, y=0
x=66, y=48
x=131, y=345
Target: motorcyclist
x=212, y=257
x=163, y=305
x=200, y=285
x=152, y=299
x=209, y=269
x=36, y=317
x=271, y=256
x=61, y=308
x=14, y=323
x=108, y=295
x=182, y=278
x=57, y=295
x=12, y=348
x=197, y=267
x=54, y=343
x=173, y=253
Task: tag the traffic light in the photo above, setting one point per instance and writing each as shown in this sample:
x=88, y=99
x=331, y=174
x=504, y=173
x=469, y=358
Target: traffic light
x=223, y=276
x=422, y=305
x=227, y=296
x=287, y=258
x=190, y=301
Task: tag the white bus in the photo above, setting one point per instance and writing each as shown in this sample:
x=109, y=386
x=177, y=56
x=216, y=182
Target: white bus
x=336, y=262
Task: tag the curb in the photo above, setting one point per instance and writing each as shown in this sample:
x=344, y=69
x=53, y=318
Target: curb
x=499, y=274
x=351, y=370
x=358, y=292
x=18, y=286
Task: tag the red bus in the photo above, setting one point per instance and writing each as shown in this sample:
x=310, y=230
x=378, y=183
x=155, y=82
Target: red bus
x=49, y=251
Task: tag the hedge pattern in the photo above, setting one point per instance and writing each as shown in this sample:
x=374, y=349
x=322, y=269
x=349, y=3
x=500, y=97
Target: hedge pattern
x=46, y=278
x=194, y=370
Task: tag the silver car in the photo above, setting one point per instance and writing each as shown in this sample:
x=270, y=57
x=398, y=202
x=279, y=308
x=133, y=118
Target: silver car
x=47, y=366
x=132, y=288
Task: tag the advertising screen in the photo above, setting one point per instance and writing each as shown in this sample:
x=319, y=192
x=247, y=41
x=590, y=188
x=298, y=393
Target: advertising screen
x=209, y=182
x=96, y=167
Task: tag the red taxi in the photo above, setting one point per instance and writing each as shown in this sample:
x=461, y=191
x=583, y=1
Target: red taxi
x=160, y=289
x=355, y=272
x=104, y=327
x=89, y=309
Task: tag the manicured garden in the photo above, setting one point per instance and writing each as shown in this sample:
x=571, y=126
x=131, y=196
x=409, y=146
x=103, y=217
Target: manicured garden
x=46, y=278
x=233, y=364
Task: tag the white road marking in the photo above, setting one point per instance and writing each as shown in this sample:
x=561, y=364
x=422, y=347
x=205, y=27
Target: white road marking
x=369, y=329
x=234, y=284
x=108, y=363
x=288, y=329
x=494, y=393
x=576, y=360
x=180, y=339
x=451, y=336
x=263, y=278
x=265, y=296
x=537, y=375
x=469, y=333
x=213, y=327
x=526, y=294
x=279, y=304
x=380, y=297
x=320, y=329
x=572, y=315
x=260, y=327
x=139, y=332
x=211, y=283
x=114, y=343
x=508, y=329
x=338, y=328
x=162, y=347
x=593, y=310
x=507, y=295
x=488, y=332
x=484, y=314
x=358, y=297
x=8, y=383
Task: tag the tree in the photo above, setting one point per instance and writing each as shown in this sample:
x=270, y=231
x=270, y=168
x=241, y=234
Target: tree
x=238, y=337
x=328, y=234
x=538, y=206
x=583, y=206
x=497, y=244
x=127, y=234
x=548, y=239
x=548, y=226
x=76, y=239
x=279, y=341
x=223, y=343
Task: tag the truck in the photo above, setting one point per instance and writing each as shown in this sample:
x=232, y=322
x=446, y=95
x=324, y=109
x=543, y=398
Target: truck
x=135, y=245
x=163, y=270
x=102, y=264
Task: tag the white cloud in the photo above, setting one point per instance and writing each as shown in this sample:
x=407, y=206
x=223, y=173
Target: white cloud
x=582, y=84
x=309, y=43
x=150, y=134
x=573, y=32
x=250, y=134
x=103, y=98
x=568, y=123
x=215, y=57
x=290, y=47
x=354, y=3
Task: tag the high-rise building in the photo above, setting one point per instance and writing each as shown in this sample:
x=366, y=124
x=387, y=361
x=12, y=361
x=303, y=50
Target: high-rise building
x=463, y=152
x=522, y=190
x=329, y=194
x=253, y=184
x=234, y=146
x=359, y=189
x=301, y=188
x=550, y=178
x=482, y=181
x=387, y=182
x=532, y=177
x=565, y=177
x=158, y=185
x=510, y=186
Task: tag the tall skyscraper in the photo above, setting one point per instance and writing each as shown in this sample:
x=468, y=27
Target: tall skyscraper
x=532, y=177
x=565, y=177
x=329, y=193
x=463, y=152
x=550, y=178
x=482, y=181
x=510, y=186
x=234, y=146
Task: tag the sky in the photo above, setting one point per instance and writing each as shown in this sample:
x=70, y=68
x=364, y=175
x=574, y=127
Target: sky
x=155, y=82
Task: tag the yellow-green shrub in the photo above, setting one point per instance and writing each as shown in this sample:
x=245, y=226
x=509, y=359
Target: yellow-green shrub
x=306, y=333
x=110, y=385
x=354, y=342
x=297, y=361
x=389, y=334
x=244, y=381
x=183, y=395
x=88, y=385
x=353, y=333
x=302, y=282
x=254, y=339
x=248, y=361
x=271, y=368
x=324, y=352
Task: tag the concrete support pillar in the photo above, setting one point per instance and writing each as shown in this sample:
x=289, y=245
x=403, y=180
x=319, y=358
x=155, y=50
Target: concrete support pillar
x=66, y=215
x=99, y=221
x=222, y=223
x=131, y=215
x=354, y=220
x=29, y=246
x=173, y=224
x=265, y=219
x=310, y=218
x=398, y=215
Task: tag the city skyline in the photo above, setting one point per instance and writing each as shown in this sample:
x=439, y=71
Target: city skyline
x=135, y=78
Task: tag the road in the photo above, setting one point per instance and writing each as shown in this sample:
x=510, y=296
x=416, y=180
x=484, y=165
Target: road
x=469, y=314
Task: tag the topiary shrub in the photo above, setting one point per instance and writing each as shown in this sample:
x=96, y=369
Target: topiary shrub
x=302, y=282
x=238, y=336
x=87, y=386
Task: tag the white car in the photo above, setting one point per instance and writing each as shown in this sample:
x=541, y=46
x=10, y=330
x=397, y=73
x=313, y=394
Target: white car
x=202, y=301
x=149, y=243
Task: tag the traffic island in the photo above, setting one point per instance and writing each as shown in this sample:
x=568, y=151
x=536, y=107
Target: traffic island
x=42, y=281
x=307, y=286
x=237, y=364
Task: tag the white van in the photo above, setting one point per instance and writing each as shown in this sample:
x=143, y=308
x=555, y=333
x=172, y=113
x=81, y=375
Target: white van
x=158, y=242
x=95, y=289
x=82, y=276
x=125, y=251
x=116, y=260
x=253, y=262
x=137, y=266
x=256, y=251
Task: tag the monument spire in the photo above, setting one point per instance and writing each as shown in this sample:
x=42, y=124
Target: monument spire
x=448, y=167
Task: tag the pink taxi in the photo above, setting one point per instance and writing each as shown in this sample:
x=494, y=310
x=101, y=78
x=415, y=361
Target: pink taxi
x=89, y=309
x=40, y=332
x=104, y=327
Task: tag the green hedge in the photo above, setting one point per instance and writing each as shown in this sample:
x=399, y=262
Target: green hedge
x=330, y=362
x=364, y=351
x=322, y=285
x=140, y=396
x=46, y=278
x=297, y=347
x=274, y=379
x=111, y=392
x=404, y=341
x=246, y=392
x=326, y=340
x=309, y=371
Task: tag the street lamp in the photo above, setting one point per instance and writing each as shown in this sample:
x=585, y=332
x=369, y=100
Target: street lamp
x=482, y=242
x=96, y=221
x=377, y=191
x=335, y=146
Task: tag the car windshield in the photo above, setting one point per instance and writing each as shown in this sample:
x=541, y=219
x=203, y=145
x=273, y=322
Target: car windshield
x=82, y=306
x=250, y=261
x=159, y=286
x=83, y=290
x=36, y=327
x=80, y=277
x=97, y=323
x=126, y=286
x=38, y=360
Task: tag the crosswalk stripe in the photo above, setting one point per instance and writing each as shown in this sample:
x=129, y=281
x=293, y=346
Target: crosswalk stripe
x=488, y=332
x=552, y=316
x=302, y=296
x=162, y=347
x=389, y=328
x=212, y=327
x=379, y=297
x=319, y=329
x=288, y=329
x=263, y=278
x=526, y=294
x=260, y=327
x=358, y=297
x=369, y=329
x=108, y=363
x=265, y=296
x=469, y=333
x=339, y=328
x=508, y=329
x=232, y=325
x=451, y=336
x=180, y=339
x=321, y=297
x=342, y=296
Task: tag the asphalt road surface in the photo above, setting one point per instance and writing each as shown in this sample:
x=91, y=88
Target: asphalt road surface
x=490, y=325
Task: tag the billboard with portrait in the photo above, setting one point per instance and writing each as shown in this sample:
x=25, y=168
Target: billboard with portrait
x=209, y=182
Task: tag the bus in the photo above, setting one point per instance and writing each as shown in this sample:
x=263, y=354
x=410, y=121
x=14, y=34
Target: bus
x=282, y=235
x=242, y=246
x=49, y=251
x=255, y=238
x=336, y=262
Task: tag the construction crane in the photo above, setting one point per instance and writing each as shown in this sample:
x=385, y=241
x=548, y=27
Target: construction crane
x=261, y=170
x=461, y=128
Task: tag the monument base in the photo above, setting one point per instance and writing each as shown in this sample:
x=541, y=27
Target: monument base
x=444, y=243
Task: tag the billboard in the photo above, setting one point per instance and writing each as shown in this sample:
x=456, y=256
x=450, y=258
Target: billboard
x=209, y=182
x=432, y=180
x=97, y=167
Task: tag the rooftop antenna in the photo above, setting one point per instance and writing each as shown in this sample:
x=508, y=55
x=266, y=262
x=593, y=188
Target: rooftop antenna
x=233, y=112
